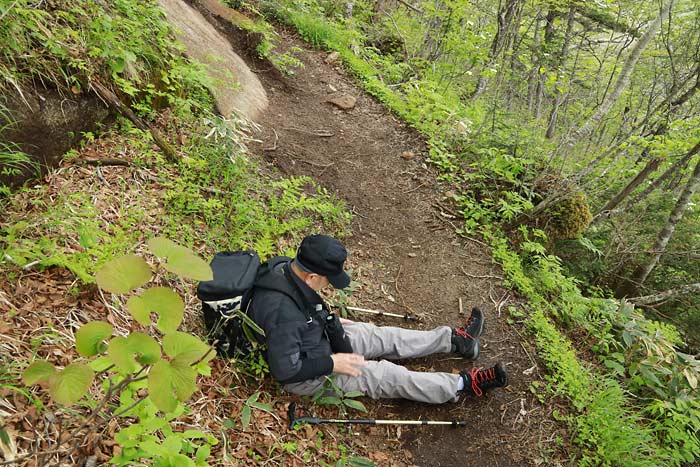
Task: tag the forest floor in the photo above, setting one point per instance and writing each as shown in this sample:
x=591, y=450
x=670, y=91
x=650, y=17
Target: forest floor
x=403, y=250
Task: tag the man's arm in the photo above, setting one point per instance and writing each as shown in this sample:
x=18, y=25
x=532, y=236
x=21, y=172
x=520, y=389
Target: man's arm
x=284, y=355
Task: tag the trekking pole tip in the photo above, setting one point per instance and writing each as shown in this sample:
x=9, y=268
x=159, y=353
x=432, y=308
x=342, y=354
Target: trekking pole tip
x=290, y=414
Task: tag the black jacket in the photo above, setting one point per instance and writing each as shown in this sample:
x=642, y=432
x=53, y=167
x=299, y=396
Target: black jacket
x=284, y=307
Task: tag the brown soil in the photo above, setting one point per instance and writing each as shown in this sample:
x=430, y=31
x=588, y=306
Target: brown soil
x=404, y=251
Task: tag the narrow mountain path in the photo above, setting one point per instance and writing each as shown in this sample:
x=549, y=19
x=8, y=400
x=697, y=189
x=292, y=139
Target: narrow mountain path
x=404, y=251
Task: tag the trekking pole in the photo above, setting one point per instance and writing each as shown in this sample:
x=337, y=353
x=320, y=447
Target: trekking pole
x=293, y=420
x=406, y=317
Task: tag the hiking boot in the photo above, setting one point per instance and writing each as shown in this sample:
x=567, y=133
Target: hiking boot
x=478, y=380
x=465, y=339
x=474, y=325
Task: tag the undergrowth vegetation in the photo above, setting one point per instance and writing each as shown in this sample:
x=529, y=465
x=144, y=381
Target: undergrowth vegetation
x=636, y=401
x=215, y=197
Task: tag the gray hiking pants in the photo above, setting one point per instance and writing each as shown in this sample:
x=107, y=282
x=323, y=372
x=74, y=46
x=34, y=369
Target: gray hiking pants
x=383, y=379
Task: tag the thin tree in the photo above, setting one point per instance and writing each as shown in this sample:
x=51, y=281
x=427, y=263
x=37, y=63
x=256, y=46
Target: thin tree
x=624, y=77
x=630, y=286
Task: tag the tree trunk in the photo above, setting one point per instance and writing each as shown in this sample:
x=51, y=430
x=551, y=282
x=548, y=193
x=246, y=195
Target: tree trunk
x=506, y=13
x=666, y=294
x=665, y=176
x=624, y=76
x=561, y=61
x=604, y=213
x=631, y=286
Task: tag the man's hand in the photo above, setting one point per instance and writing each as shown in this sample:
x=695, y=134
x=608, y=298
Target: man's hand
x=345, y=321
x=348, y=363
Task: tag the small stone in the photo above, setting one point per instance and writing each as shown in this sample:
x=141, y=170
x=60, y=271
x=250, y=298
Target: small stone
x=332, y=57
x=412, y=255
x=408, y=155
x=332, y=88
x=344, y=102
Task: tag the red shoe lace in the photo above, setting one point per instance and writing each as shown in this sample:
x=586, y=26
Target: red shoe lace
x=463, y=330
x=479, y=376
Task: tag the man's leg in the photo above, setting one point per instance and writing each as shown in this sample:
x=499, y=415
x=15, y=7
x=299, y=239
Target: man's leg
x=386, y=380
x=395, y=343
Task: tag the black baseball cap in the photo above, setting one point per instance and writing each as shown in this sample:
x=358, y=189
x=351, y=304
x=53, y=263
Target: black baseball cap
x=324, y=255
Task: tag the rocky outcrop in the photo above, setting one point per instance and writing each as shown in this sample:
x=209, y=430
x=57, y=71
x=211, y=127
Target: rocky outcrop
x=236, y=88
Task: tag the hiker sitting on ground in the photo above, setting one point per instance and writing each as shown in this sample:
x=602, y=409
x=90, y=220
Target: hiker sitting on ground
x=305, y=343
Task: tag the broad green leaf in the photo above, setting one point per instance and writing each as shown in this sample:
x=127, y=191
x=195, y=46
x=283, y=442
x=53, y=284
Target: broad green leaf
x=159, y=387
x=89, y=340
x=180, y=260
x=38, y=371
x=101, y=363
x=190, y=267
x=186, y=347
x=180, y=460
x=193, y=434
x=328, y=400
x=357, y=405
x=123, y=274
x=202, y=455
x=173, y=444
x=147, y=348
x=353, y=394
x=165, y=248
x=136, y=348
x=161, y=300
x=184, y=379
x=69, y=385
x=245, y=416
x=121, y=354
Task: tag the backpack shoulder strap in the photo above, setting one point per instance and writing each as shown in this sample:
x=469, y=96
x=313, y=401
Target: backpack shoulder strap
x=282, y=284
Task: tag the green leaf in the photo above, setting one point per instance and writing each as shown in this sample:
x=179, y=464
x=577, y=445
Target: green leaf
x=89, y=340
x=190, y=267
x=253, y=398
x=123, y=274
x=357, y=405
x=352, y=394
x=180, y=260
x=161, y=300
x=164, y=248
x=4, y=437
x=228, y=423
x=262, y=406
x=38, y=371
x=186, y=347
x=160, y=388
x=245, y=416
x=184, y=379
x=328, y=400
x=69, y=385
x=616, y=367
x=202, y=455
x=138, y=347
x=360, y=462
x=101, y=363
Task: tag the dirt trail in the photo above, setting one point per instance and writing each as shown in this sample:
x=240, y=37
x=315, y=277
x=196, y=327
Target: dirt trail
x=404, y=251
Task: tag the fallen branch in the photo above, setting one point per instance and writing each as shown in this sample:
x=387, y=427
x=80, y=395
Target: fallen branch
x=665, y=295
x=115, y=102
x=104, y=162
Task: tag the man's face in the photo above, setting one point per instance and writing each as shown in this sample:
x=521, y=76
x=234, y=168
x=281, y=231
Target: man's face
x=316, y=281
